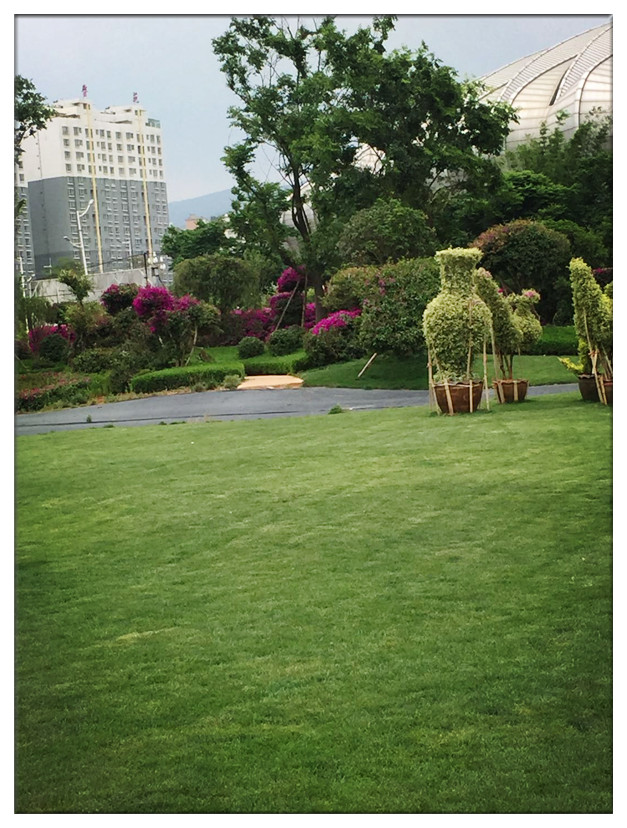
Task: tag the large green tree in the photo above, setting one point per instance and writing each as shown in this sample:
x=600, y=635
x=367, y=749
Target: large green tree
x=206, y=238
x=31, y=113
x=345, y=122
x=224, y=281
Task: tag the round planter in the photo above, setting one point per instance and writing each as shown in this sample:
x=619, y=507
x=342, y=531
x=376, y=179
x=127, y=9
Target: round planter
x=510, y=390
x=460, y=397
x=588, y=387
x=608, y=386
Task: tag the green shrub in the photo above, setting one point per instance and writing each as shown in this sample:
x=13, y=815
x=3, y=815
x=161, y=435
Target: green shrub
x=286, y=341
x=335, y=344
x=350, y=287
x=231, y=382
x=54, y=350
x=250, y=346
x=150, y=382
x=56, y=389
x=93, y=360
x=526, y=254
x=392, y=317
x=125, y=363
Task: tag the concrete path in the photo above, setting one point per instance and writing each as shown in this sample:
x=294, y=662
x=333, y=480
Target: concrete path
x=230, y=405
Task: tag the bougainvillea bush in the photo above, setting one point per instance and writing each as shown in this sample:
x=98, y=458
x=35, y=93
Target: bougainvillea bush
x=118, y=297
x=334, y=338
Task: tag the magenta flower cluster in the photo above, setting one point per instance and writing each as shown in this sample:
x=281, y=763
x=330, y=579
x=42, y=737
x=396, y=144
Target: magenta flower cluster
x=339, y=319
x=290, y=279
x=154, y=304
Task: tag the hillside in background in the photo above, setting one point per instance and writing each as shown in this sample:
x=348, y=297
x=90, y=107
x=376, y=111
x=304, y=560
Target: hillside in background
x=206, y=207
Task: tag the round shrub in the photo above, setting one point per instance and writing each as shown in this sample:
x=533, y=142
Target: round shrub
x=92, y=361
x=286, y=340
x=249, y=347
x=525, y=254
x=350, y=287
x=54, y=349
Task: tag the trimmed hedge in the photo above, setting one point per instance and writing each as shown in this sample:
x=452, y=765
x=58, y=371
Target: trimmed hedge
x=555, y=341
x=168, y=379
x=291, y=364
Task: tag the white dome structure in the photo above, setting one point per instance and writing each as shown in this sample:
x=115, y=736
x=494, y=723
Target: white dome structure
x=574, y=77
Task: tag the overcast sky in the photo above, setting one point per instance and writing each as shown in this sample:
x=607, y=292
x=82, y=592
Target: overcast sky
x=168, y=61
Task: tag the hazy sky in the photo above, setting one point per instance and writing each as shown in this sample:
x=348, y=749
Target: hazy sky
x=168, y=61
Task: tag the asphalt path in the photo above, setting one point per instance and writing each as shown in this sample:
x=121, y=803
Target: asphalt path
x=251, y=404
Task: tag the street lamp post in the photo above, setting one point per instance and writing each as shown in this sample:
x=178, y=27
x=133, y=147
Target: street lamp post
x=79, y=216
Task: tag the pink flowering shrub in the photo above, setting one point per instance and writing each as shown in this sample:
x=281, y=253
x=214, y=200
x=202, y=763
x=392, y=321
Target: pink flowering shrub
x=290, y=279
x=338, y=319
x=117, y=297
x=53, y=387
x=37, y=335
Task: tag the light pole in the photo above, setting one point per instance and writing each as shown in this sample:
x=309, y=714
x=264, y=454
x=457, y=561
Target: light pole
x=79, y=216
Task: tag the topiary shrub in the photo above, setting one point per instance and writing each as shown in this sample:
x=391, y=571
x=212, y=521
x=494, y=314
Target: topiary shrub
x=250, y=346
x=456, y=322
x=93, y=360
x=506, y=330
x=285, y=341
x=593, y=320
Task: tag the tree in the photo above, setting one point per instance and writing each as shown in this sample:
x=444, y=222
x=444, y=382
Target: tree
x=31, y=113
x=208, y=237
x=71, y=274
x=224, y=281
x=315, y=98
x=387, y=231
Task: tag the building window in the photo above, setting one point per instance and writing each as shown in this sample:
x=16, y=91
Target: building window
x=77, y=130
x=68, y=168
x=65, y=130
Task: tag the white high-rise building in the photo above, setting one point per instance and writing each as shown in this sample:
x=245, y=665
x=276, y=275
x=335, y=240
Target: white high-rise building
x=95, y=187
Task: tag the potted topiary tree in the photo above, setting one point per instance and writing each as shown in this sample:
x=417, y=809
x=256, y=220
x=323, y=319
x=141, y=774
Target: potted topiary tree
x=526, y=320
x=593, y=325
x=456, y=326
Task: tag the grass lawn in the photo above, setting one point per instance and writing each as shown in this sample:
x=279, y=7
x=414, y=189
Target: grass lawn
x=393, y=373
x=376, y=612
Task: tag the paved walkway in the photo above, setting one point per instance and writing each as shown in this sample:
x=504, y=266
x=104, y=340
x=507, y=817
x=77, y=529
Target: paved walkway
x=230, y=405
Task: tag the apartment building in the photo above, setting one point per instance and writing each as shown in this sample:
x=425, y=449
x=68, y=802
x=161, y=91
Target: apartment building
x=95, y=187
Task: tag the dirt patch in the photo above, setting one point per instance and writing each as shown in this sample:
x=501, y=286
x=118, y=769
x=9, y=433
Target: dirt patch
x=270, y=381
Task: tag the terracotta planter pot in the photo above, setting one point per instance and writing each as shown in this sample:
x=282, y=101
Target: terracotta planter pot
x=460, y=397
x=608, y=385
x=588, y=387
x=510, y=390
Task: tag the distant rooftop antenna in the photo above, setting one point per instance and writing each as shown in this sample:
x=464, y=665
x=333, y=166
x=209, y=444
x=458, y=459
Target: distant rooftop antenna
x=84, y=91
x=135, y=98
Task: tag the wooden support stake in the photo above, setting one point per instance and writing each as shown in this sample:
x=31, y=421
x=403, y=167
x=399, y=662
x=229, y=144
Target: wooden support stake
x=366, y=366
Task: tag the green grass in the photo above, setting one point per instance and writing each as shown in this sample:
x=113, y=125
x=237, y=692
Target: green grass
x=411, y=373
x=379, y=612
